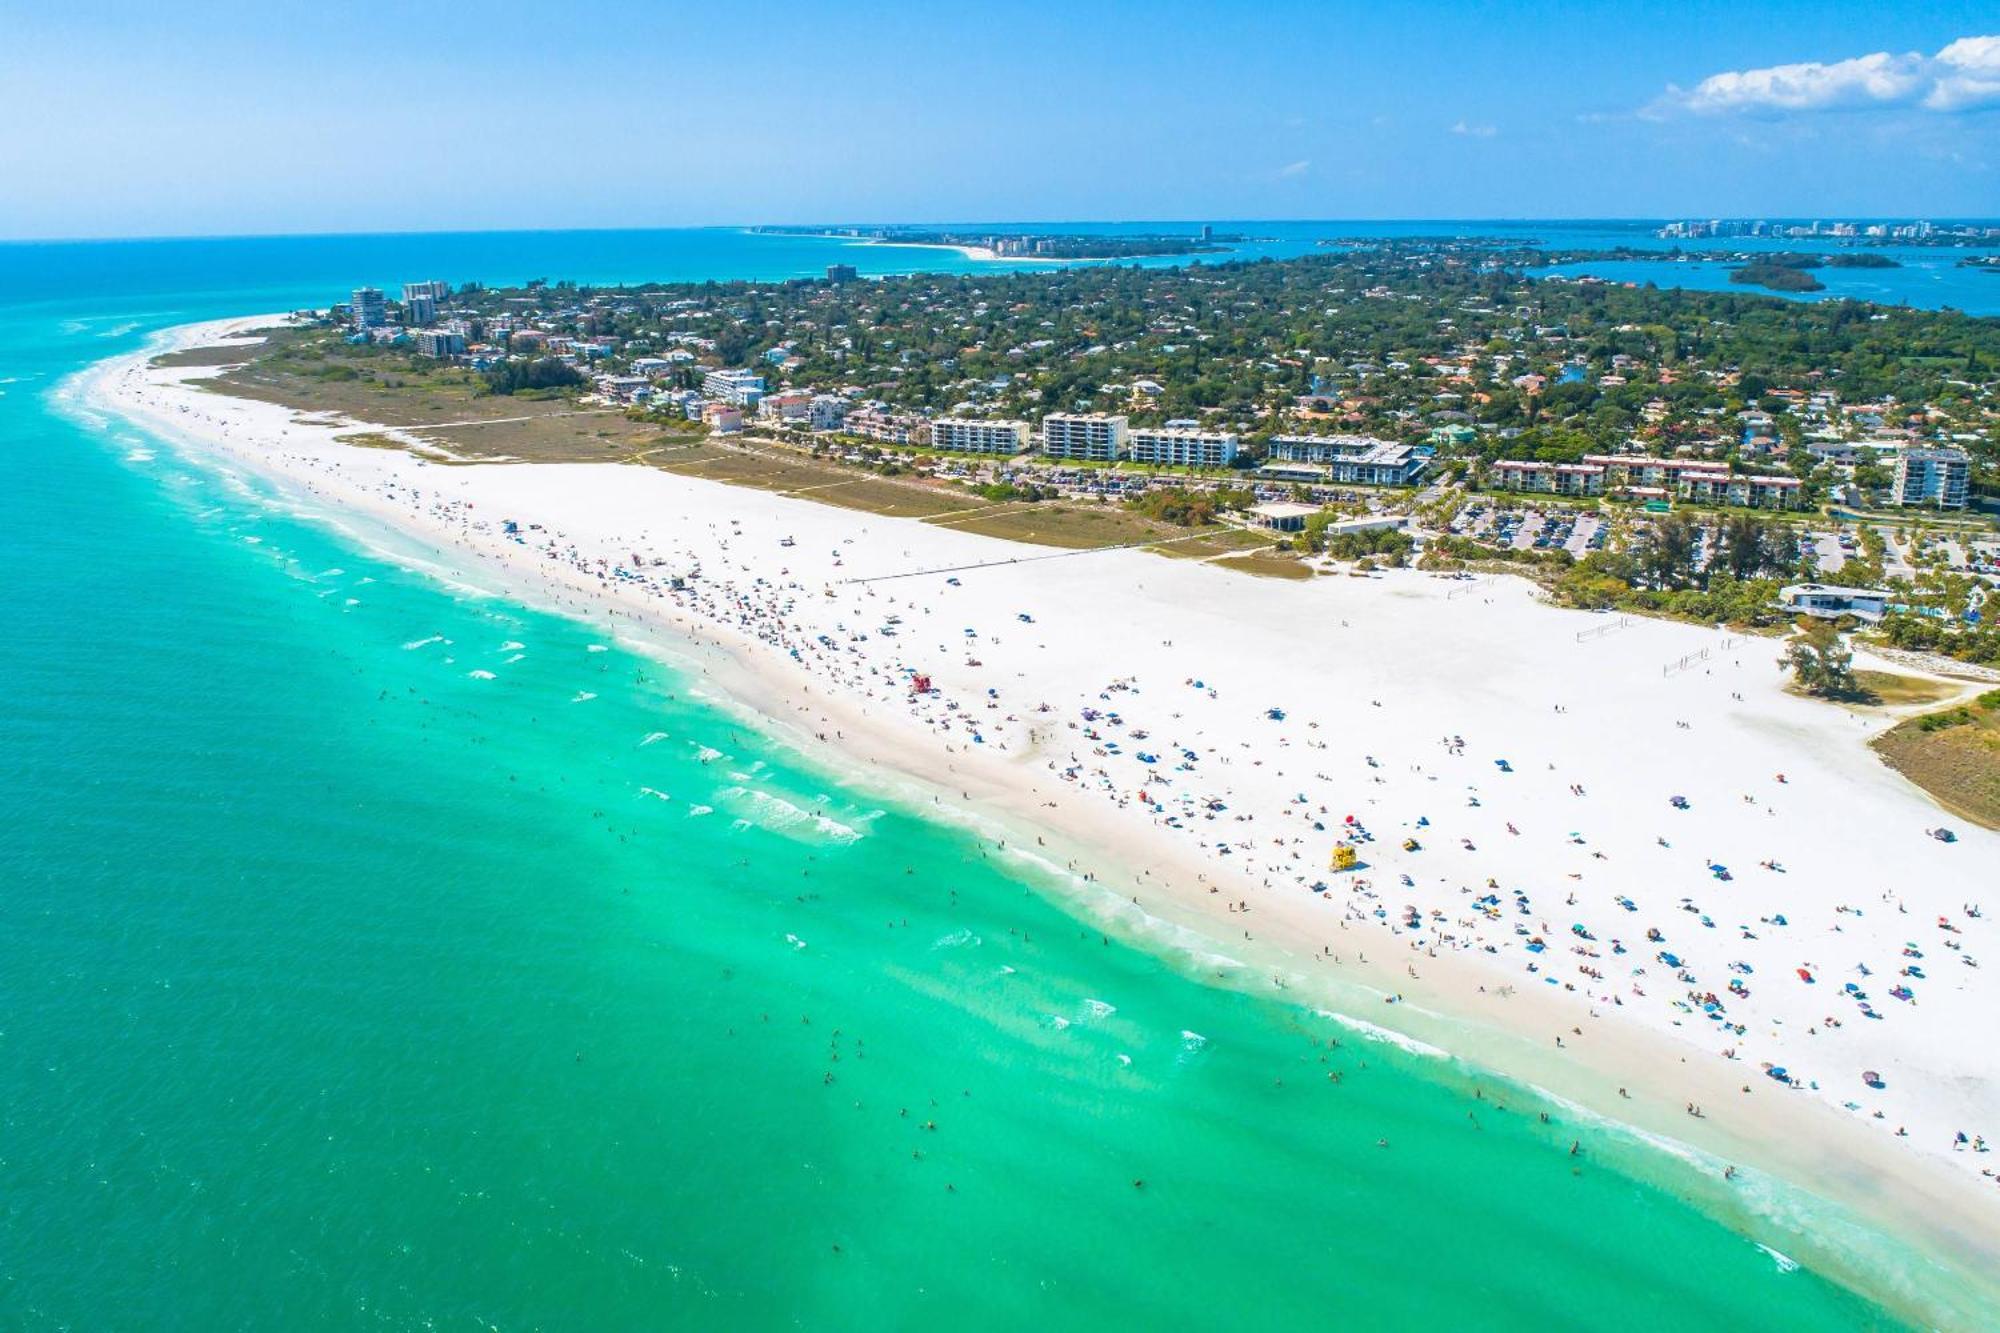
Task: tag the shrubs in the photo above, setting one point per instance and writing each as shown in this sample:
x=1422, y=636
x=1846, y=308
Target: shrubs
x=510, y=377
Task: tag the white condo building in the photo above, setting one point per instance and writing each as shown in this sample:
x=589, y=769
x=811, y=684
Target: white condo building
x=1940, y=478
x=1181, y=447
x=974, y=436
x=367, y=308
x=1355, y=459
x=1092, y=436
x=740, y=387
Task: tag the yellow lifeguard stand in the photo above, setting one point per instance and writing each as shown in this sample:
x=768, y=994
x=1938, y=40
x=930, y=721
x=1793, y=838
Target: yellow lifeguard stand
x=1343, y=856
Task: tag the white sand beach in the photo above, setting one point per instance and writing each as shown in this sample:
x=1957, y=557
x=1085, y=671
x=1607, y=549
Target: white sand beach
x=1196, y=741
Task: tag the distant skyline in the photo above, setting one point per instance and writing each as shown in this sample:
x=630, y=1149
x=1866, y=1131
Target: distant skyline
x=229, y=118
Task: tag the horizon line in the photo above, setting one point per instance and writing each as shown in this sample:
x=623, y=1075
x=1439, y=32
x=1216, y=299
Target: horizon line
x=160, y=237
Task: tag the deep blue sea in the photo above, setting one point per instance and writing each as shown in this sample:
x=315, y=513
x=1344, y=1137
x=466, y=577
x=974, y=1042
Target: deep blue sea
x=340, y=990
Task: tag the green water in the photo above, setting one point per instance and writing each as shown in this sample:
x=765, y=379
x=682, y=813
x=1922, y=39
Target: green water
x=340, y=988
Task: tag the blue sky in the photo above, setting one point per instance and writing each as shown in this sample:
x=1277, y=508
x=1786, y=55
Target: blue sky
x=152, y=119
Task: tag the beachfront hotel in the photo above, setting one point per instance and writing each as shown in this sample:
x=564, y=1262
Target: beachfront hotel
x=1182, y=447
x=1934, y=478
x=1091, y=436
x=1349, y=459
x=973, y=436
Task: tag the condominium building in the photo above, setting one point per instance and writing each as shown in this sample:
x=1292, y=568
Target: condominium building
x=433, y=290
x=789, y=406
x=881, y=425
x=419, y=310
x=974, y=436
x=1092, y=436
x=367, y=308
x=1181, y=447
x=1549, y=478
x=1355, y=459
x=1704, y=482
x=1935, y=478
x=741, y=387
x=439, y=343
x=827, y=411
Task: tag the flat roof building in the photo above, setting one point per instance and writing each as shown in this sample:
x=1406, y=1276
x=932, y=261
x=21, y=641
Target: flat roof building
x=1181, y=447
x=1093, y=436
x=1829, y=601
x=1549, y=478
x=1935, y=478
x=742, y=387
x=1283, y=515
x=1355, y=459
x=367, y=308
x=975, y=436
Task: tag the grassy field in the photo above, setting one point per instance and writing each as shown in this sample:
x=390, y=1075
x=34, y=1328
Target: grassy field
x=1071, y=526
x=1268, y=566
x=1886, y=689
x=213, y=356
x=554, y=437
x=1954, y=755
x=1217, y=541
x=316, y=371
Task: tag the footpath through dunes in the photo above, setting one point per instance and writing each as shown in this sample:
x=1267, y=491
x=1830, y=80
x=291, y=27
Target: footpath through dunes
x=445, y=414
x=1549, y=823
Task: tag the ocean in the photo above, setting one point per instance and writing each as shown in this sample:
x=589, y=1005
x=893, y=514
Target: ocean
x=379, y=953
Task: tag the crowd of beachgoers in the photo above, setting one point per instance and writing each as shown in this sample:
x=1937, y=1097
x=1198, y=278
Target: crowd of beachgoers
x=1632, y=824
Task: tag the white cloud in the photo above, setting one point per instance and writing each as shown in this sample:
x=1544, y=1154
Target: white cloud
x=1964, y=76
x=1298, y=168
x=1968, y=75
x=1476, y=131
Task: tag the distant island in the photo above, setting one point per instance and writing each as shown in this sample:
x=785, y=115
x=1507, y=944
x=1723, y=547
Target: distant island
x=1788, y=272
x=1031, y=245
x=1777, y=277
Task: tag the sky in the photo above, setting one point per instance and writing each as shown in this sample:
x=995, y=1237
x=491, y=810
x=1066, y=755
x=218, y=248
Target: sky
x=206, y=118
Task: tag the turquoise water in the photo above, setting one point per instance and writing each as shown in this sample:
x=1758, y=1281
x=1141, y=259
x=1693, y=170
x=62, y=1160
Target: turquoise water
x=342, y=989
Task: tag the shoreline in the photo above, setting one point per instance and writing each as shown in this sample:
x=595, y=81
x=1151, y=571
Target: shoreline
x=1451, y=1000
x=984, y=254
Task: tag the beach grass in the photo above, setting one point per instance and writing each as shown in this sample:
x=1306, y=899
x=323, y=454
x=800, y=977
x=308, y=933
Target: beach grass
x=1954, y=755
x=1888, y=689
x=207, y=356
x=565, y=437
x=878, y=496
x=1068, y=526
x=1208, y=543
x=1270, y=566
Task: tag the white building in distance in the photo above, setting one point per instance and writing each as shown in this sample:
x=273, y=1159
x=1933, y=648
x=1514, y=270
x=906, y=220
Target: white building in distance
x=1181, y=447
x=1093, y=436
x=1935, y=478
x=974, y=436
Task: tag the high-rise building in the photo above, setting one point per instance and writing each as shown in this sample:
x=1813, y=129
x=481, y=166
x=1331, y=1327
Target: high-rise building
x=435, y=290
x=841, y=273
x=368, y=309
x=1937, y=478
x=1091, y=436
x=439, y=342
x=419, y=309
